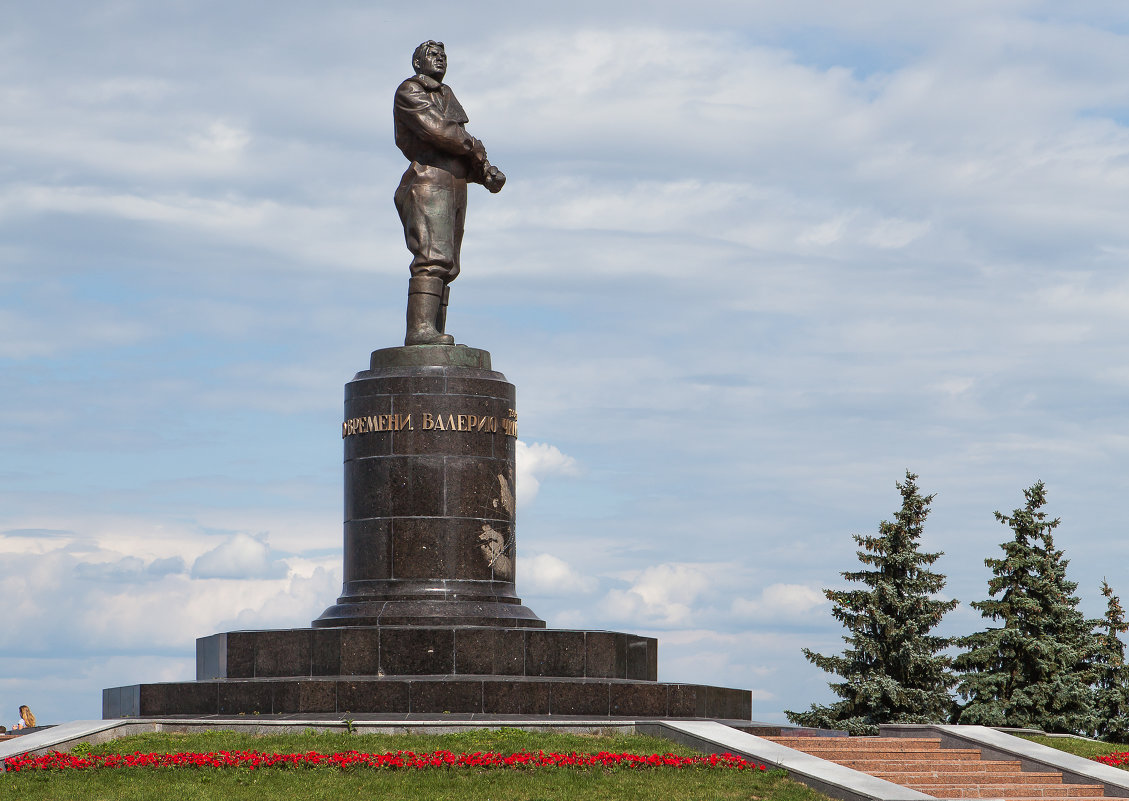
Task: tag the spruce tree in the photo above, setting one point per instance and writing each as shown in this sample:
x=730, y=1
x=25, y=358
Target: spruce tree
x=1111, y=676
x=892, y=667
x=1034, y=670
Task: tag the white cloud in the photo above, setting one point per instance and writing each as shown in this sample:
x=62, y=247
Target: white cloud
x=289, y=604
x=545, y=574
x=239, y=557
x=129, y=569
x=778, y=601
x=662, y=595
x=73, y=593
x=536, y=461
x=221, y=138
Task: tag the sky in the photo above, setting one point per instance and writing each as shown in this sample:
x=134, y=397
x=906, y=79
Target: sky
x=753, y=262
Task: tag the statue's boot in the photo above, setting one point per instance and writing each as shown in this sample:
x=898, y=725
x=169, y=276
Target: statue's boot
x=441, y=315
x=425, y=294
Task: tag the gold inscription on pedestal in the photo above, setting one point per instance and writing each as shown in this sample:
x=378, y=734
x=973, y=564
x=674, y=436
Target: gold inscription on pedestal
x=469, y=423
x=376, y=422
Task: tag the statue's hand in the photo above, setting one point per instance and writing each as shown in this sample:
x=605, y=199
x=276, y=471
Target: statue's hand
x=494, y=180
x=477, y=151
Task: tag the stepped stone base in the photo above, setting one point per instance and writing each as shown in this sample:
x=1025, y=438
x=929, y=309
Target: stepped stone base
x=428, y=620
x=426, y=650
x=519, y=695
x=427, y=669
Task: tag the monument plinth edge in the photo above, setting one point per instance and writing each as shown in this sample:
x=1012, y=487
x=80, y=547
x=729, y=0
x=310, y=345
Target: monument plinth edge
x=430, y=356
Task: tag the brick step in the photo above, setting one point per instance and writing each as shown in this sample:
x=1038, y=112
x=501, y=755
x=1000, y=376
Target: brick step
x=1018, y=796
x=927, y=765
x=863, y=743
x=921, y=764
x=1009, y=790
x=905, y=777
x=955, y=755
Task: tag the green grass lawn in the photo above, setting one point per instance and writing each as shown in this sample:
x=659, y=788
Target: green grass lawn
x=441, y=784
x=1078, y=746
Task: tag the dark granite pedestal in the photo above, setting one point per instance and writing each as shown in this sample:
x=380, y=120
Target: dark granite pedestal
x=430, y=434
x=428, y=620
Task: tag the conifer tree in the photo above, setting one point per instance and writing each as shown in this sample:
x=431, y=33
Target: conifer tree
x=892, y=669
x=1034, y=670
x=1111, y=676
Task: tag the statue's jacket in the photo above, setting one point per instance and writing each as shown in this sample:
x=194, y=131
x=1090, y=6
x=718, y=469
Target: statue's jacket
x=431, y=198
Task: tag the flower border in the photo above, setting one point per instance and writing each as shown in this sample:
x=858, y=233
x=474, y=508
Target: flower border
x=399, y=760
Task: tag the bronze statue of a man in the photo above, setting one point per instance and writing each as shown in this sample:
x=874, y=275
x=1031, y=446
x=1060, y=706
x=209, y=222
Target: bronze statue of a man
x=431, y=197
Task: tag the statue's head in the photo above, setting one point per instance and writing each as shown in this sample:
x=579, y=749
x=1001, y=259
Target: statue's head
x=430, y=59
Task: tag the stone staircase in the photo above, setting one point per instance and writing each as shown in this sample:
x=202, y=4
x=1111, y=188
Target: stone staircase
x=922, y=765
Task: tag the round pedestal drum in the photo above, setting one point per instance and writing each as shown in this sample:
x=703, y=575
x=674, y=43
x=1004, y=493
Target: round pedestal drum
x=430, y=434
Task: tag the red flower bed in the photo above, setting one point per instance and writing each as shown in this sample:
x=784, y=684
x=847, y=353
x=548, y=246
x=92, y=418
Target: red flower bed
x=1116, y=760
x=354, y=759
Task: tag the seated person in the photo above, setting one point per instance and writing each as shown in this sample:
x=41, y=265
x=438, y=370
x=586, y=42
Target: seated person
x=27, y=719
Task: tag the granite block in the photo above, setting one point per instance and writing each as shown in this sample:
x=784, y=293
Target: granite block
x=552, y=652
x=415, y=487
x=368, y=549
x=367, y=405
x=579, y=698
x=492, y=652
x=642, y=658
x=211, y=657
x=282, y=653
x=686, y=701
x=286, y=697
x=179, y=698
x=372, y=696
x=417, y=651
x=724, y=702
x=367, y=487
x=638, y=700
x=439, y=548
x=131, y=701
x=240, y=655
x=483, y=387
x=363, y=386
x=407, y=386
x=505, y=448
x=360, y=652
x=605, y=655
x=111, y=703
x=325, y=652
x=303, y=696
x=452, y=695
x=364, y=446
x=515, y=697
x=317, y=696
x=244, y=698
